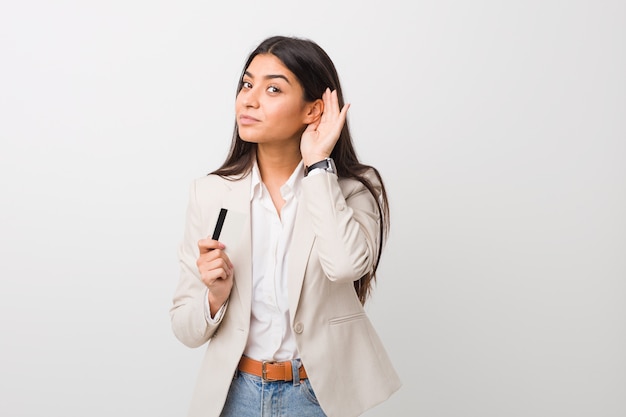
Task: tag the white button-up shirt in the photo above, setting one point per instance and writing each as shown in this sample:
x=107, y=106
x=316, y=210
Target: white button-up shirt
x=271, y=336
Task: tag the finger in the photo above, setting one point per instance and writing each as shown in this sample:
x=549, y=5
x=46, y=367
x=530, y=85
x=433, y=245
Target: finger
x=333, y=103
x=339, y=122
x=334, y=100
x=214, y=259
x=206, y=245
x=210, y=278
x=344, y=113
x=329, y=108
x=325, y=107
x=217, y=268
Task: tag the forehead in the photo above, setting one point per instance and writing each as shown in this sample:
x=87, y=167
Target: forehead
x=269, y=66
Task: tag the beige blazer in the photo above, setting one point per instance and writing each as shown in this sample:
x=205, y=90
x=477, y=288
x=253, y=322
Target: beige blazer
x=335, y=241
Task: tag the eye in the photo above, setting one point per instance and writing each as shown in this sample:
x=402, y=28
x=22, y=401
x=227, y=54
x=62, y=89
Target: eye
x=246, y=84
x=273, y=89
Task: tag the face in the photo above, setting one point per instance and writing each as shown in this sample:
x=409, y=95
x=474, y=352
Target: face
x=270, y=107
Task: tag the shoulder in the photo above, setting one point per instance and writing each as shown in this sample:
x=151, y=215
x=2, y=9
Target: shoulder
x=211, y=186
x=215, y=183
x=209, y=181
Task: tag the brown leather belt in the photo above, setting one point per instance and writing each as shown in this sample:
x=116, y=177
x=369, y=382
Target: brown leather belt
x=268, y=370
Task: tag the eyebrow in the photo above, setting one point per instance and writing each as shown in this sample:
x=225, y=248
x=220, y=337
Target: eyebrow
x=269, y=76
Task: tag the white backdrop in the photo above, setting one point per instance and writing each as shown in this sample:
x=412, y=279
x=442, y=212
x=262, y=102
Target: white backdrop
x=499, y=127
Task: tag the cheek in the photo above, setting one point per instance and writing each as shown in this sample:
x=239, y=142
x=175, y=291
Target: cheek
x=288, y=112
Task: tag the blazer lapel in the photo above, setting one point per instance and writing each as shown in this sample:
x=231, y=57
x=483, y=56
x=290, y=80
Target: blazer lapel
x=239, y=248
x=302, y=243
x=239, y=243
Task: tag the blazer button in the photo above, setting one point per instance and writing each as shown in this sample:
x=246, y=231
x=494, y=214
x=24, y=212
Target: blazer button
x=298, y=328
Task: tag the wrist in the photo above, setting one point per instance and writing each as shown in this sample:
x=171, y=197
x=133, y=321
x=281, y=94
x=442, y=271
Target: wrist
x=312, y=159
x=326, y=164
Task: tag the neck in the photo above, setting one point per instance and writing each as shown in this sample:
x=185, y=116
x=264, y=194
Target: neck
x=277, y=163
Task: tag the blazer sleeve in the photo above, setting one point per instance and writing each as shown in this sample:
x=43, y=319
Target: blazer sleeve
x=345, y=220
x=187, y=313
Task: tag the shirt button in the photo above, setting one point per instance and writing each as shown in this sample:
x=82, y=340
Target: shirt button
x=298, y=328
x=341, y=206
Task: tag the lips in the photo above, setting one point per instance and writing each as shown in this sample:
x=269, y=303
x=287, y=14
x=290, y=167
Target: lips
x=245, y=120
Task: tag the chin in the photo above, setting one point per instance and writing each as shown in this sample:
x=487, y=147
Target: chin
x=247, y=136
x=248, y=139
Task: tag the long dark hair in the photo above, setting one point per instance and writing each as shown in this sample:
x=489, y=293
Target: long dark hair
x=315, y=70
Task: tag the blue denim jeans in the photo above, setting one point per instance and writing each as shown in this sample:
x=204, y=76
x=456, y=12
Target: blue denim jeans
x=250, y=396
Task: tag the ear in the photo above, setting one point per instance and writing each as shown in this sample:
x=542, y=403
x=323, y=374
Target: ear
x=313, y=111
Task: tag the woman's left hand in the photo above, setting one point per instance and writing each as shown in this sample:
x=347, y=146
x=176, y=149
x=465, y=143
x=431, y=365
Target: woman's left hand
x=320, y=137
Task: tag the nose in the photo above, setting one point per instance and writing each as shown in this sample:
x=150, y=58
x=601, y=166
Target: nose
x=249, y=97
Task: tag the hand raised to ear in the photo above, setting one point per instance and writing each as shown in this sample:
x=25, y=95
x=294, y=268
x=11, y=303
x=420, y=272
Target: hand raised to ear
x=320, y=137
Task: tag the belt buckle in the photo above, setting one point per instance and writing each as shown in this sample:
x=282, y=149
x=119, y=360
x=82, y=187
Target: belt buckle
x=264, y=370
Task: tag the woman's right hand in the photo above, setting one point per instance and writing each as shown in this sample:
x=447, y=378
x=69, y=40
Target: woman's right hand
x=216, y=271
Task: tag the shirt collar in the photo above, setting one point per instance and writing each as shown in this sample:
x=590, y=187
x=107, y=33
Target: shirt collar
x=292, y=186
x=255, y=187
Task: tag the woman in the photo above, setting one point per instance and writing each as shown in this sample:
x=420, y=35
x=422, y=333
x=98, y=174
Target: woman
x=279, y=296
